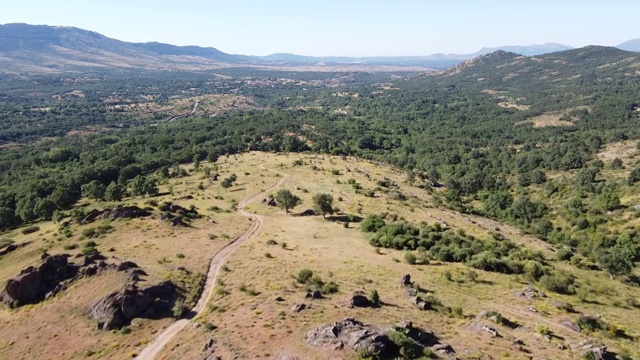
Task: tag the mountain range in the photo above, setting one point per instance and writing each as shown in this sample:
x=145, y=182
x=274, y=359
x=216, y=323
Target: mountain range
x=47, y=49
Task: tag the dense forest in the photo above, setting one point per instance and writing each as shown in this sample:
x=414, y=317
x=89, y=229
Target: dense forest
x=471, y=135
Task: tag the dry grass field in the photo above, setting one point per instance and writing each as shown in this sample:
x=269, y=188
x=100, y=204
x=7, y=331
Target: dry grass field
x=243, y=316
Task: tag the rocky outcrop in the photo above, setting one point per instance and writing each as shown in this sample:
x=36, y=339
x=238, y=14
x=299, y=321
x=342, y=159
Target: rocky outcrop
x=373, y=339
x=588, y=348
x=175, y=208
x=55, y=274
x=530, y=293
x=33, y=284
x=352, y=334
x=316, y=294
x=119, y=308
x=117, y=213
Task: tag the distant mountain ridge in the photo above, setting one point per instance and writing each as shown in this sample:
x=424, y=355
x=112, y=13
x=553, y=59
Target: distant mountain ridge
x=630, y=45
x=41, y=49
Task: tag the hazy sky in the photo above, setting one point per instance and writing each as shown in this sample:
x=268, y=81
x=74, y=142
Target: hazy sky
x=347, y=27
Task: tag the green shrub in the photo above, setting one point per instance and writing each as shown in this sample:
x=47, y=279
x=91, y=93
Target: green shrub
x=498, y=317
x=543, y=330
x=179, y=309
x=89, y=233
x=330, y=288
x=304, y=276
x=374, y=298
x=410, y=258
x=70, y=246
x=591, y=323
x=559, y=283
x=180, y=256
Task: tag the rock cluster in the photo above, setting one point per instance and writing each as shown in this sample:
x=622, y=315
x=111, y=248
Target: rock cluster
x=530, y=292
x=33, y=284
x=117, y=213
x=352, y=334
x=373, y=339
x=54, y=274
x=592, y=350
x=119, y=308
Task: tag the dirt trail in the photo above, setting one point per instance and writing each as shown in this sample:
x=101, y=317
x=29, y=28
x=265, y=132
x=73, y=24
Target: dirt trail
x=156, y=345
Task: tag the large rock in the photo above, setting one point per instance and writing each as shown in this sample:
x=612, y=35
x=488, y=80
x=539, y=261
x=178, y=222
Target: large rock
x=406, y=280
x=119, y=308
x=350, y=333
x=359, y=300
x=34, y=283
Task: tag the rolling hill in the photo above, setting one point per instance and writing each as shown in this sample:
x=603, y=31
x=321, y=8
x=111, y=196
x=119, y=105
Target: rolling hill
x=48, y=49
x=631, y=45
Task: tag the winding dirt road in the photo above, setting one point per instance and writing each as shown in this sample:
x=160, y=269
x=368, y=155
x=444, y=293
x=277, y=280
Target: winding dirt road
x=156, y=345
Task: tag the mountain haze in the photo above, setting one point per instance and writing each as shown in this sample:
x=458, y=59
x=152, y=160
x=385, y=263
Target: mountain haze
x=48, y=49
x=631, y=45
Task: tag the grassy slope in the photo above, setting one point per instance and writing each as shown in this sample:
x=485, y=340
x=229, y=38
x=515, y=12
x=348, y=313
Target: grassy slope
x=334, y=252
x=258, y=326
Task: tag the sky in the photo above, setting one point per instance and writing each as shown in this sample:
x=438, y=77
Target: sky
x=342, y=28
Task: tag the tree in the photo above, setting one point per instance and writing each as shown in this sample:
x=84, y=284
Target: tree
x=142, y=185
x=586, y=177
x=137, y=186
x=323, y=204
x=113, y=192
x=634, y=176
x=616, y=164
x=44, y=208
x=615, y=262
x=151, y=186
x=93, y=190
x=286, y=200
x=196, y=162
x=25, y=208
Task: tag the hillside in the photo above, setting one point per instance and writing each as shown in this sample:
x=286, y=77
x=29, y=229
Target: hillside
x=47, y=49
x=259, y=286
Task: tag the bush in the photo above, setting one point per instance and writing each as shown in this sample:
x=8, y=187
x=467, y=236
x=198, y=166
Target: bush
x=304, y=276
x=407, y=347
x=591, y=323
x=271, y=242
x=457, y=311
x=559, y=283
x=374, y=298
x=30, y=230
x=179, y=309
x=410, y=258
x=330, y=288
x=180, y=255
x=70, y=246
x=498, y=316
x=543, y=330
